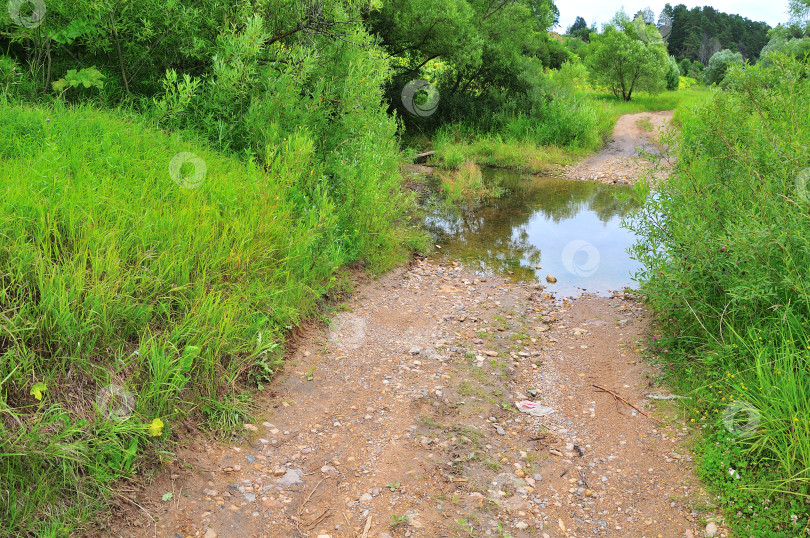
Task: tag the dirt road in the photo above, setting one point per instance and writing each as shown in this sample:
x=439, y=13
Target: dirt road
x=623, y=158
x=402, y=420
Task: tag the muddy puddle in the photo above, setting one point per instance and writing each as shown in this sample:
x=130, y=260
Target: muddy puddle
x=543, y=226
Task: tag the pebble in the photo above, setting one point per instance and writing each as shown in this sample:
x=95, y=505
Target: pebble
x=711, y=529
x=499, y=430
x=210, y=533
x=291, y=477
x=415, y=350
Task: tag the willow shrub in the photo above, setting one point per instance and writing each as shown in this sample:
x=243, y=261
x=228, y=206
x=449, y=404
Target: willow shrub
x=726, y=250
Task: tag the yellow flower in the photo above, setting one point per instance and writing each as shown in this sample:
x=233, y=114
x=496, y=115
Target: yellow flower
x=795, y=419
x=156, y=428
x=38, y=389
x=692, y=420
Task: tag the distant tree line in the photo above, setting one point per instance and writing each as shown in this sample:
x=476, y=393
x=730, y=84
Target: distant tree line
x=696, y=34
x=699, y=33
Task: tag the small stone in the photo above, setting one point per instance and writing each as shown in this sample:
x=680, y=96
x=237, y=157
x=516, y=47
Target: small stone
x=210, y=533
x=291, y=478
x=366, y=497
x=551, y=279
x=415, y=350
x=249, y=497
x=711, y=529
x=499, y=430
x=251, y=427
x=522, y=525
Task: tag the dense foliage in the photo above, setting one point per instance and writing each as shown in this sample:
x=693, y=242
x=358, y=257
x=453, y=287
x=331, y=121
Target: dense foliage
x=698, y=33
x=726, y=255
x=485, y=58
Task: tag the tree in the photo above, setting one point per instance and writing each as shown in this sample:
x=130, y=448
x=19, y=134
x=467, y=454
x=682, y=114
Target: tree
x=708, y=47
x=646, y=14
x=673, y=74
x=478, y=53
x=579, y=29
x=665, y=22
x=800, y=12
x=625, y=60
x=788, y=39
x=719, y=65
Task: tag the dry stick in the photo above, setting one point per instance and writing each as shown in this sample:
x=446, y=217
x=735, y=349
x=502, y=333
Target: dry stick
x=303, y=504
x=315, y=522
x=145, y=511
x=368, y=527
x=619, y=398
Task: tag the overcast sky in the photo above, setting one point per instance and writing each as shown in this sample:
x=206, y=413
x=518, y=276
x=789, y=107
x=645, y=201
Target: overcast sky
x=599, y=11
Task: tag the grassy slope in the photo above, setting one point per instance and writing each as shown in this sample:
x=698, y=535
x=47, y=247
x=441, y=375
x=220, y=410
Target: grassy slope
x=113, y=274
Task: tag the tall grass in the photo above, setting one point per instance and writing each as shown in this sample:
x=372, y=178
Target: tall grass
x=467, y=184
x=112, y=274
x=726, y=250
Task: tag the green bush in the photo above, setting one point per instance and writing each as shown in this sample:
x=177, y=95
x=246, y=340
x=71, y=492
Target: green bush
x=112, y=273
x=726, y=251
x=719, y=65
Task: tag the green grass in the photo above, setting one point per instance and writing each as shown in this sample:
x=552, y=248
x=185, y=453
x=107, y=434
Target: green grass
x=112, y=274
x=726, y=252
x=467, y=184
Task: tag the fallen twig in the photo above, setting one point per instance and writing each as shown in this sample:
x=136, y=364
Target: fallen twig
x=145, y=511
x=620, y=399
x=303, y=504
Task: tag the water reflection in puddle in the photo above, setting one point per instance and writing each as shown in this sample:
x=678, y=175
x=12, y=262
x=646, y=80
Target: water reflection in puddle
x=571, y=229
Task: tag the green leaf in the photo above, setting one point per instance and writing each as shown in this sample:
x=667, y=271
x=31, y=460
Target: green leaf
x=187, y=359
x=38, y=389
x=167, y=496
